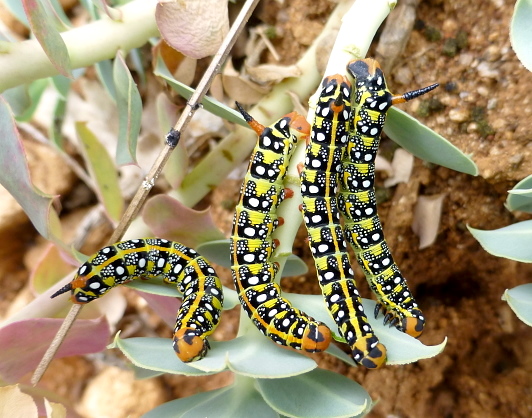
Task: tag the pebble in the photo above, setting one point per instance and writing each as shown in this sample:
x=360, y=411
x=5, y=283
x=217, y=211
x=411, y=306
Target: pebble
x=459, y=115
x=487, y=71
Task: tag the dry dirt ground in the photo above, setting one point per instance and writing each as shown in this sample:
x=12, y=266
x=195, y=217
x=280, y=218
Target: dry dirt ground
x=484, y=107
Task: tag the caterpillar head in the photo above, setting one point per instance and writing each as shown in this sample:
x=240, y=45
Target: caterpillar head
x=316, y=338
x=370, y=353
x=190, y=345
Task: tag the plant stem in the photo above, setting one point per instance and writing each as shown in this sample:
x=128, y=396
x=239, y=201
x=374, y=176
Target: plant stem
x=26, y=61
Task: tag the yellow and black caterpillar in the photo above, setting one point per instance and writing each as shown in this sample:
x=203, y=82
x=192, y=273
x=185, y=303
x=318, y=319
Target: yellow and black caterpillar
x=252, y=244
x=199, y=313
x=356, y=200
x=319, y=186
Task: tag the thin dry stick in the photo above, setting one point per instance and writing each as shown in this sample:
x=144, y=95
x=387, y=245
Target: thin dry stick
x=141, y=195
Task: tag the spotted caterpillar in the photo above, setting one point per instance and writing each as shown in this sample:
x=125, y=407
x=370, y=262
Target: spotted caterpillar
x=252, y=244
x=356, y=199
x=319, y=185
x=199, y=313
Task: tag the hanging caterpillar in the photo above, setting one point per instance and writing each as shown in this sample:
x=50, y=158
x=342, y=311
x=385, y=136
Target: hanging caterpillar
x=319, y=185
x=356, y=199
x=199, y=313
x=252, y=244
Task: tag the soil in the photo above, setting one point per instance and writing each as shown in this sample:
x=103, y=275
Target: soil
x=484, y=108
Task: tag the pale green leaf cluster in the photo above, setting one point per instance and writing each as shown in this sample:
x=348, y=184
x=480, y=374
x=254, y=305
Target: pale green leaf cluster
x=515, y=243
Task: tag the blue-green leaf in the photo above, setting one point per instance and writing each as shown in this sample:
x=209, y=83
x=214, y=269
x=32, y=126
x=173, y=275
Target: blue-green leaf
x=15, y=177
x=210, y=104
x=520, y=300
x=521, y=32
x=426, y=144
x=235, y=401
x=401, y=348
x=251, y=355
x=319, y=393
x=43, y=26
x=156, y=286
x=513, y=242
x=520, y=197
x=129, y=112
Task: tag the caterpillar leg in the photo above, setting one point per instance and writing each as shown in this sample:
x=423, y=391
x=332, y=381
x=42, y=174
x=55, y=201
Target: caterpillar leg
x=411, y=323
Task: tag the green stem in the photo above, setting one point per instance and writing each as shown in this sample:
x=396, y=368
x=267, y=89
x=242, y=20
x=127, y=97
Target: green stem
x=87, y=45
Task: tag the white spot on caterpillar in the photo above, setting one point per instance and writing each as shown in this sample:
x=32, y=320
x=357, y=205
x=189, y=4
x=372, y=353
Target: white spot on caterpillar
x=250, y=232
x=322, y=248
x=249, y=258
x=254, y=202
x=160, y=262
x=95, y=285
x=120, y=270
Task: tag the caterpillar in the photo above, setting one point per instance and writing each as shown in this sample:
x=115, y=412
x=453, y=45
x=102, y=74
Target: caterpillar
x=319, y=185
x=199, y=313
x=252, y=244
x=356, y=199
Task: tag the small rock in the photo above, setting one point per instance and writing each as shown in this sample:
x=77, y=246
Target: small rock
x=403, y=76
x=487, y=71
x=459, y=115
x=493, y=53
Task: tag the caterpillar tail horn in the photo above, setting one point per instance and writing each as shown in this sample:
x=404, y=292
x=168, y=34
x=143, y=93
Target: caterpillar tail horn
x=256, y=126
x=409, y=95
x=64, y=289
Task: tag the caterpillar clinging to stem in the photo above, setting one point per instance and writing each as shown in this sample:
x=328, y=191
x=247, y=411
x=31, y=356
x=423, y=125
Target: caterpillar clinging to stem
x=252, y=244
x=356, y=200
x=319, y=186
x=199, y=313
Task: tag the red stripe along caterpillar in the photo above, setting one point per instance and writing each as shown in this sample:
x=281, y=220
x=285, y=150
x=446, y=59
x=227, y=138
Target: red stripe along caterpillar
x=252, y=243
x=319, y=185
x=199, y=313
x=357, y=201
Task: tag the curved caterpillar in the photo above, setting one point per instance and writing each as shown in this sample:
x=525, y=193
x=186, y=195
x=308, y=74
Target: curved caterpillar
x=357, y=201
x=319, y=185
x=252, y=244
x=199, y=313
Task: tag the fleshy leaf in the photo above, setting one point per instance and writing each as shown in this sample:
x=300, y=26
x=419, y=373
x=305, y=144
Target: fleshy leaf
x=521, y=32
x=520, y=300
x=23, y=343
x=208, y=103
x=14, y=403
x=251, y=355
x=156, y=286
x=520, y=197
x=165, y=307
x=319, y=393
x=129, y=112
x=35, y=91
x=237, y=400
x=513, y=242
x=401, y=348
x=15, y=177
x=426, y=144
x=104, y=69
x=43, y=27
x=194, y=28
x=218, y=252
x=170, y=219
x=51, y=268
x=102, y=170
